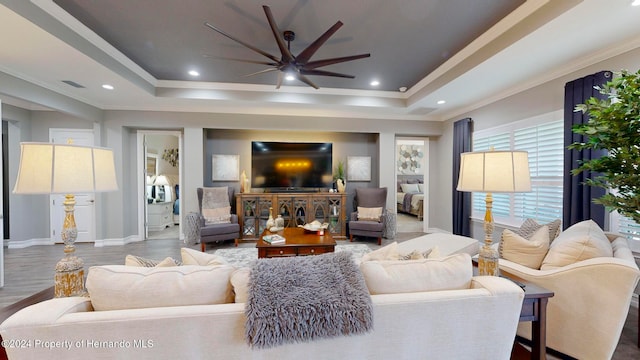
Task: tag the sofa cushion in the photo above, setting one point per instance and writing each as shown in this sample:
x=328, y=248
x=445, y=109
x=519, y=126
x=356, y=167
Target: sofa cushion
x=528, y=252
x=195, y=257
x=220, y=229
x=133, y=260
x=582, y=241
x=369, y=214
x=117, y=287
x=398, y=276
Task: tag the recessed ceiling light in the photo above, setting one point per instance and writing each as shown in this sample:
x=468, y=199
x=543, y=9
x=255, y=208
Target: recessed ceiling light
x=194, y=73
x=403, y=89
x=440, y=102
x=107, y=86
x=374, y=83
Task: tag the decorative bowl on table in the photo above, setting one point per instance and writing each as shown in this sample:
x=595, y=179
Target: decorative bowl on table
x=315, y=226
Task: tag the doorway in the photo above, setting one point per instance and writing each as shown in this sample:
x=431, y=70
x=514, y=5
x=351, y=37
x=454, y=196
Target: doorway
x=412, y=184
x=160, y=184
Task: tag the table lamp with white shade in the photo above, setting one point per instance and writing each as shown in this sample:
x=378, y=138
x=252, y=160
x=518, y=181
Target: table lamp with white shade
x=493, y=172
x=47, y=168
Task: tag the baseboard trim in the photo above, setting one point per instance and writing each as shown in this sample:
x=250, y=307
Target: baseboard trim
x=98, y=243
x=118, y=242
x=31, y=242
x=437, y=230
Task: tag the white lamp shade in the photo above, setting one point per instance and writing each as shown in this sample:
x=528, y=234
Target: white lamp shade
x=47, y=168
x=494, y=171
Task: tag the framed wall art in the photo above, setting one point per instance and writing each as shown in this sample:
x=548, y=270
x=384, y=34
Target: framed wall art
x=225, y=167
x=359, y=168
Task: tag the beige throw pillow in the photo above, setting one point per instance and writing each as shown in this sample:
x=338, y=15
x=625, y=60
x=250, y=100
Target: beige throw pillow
x=220, y=215
x=195, y=257
x=117, y=287
x=529, y=253
x=582, y=241
x=389, y=277
x=388, y=252
x=240, y=283
x=369, y=214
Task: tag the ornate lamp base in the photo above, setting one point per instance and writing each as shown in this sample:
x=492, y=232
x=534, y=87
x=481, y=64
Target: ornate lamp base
x=69, y=277
x=488, y=261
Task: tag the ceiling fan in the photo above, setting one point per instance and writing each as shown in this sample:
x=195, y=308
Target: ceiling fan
x=296, y=66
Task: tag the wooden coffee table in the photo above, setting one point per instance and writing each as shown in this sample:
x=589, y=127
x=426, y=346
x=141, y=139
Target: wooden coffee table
x=298, y=242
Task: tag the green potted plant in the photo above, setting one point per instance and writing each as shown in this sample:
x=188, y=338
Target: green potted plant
x=614, y=126
x=339, y=177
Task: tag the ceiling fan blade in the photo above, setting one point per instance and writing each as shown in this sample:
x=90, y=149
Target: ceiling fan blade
x=307, y=53
x=286, y=54
x=250, y=61
x=279, y=83
x=264, y=53
x=305, y=80
x=262, y=71
x=325, y=62
x=325, y=73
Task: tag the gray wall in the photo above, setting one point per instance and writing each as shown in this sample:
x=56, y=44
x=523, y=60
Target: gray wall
x=542, y=99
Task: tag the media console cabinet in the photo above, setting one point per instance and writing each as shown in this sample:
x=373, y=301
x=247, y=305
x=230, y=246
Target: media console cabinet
x=295, y=208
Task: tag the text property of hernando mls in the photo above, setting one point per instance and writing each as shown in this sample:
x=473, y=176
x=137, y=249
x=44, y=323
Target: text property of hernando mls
x=78, y=344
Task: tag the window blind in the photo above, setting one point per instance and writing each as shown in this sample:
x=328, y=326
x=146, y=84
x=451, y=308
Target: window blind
x=544, y=142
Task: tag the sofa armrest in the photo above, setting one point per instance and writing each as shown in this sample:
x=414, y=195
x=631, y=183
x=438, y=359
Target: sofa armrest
x=496, y=285
x=234, y=219
x=47, y=312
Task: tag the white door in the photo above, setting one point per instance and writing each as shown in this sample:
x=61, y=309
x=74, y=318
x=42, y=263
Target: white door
x=84, y=213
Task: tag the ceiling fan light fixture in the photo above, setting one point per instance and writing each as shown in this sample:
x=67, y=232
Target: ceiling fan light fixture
x=374, y=83
x=289, y=77
x=194, y=73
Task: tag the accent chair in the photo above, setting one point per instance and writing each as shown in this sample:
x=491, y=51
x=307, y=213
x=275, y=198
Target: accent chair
x=217, y=223
x=369, y=217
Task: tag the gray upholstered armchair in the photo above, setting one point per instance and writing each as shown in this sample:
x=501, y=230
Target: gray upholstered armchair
x=369, y=217
x=217, y=223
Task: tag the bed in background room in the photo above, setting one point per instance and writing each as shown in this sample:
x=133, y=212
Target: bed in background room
x=410, y=195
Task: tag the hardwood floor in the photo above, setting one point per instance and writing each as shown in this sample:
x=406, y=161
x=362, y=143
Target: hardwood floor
x=30, y=270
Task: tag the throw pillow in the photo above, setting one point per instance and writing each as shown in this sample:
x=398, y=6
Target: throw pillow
x=582, y=241
x=529, y=253
x=240, y=283
x=530, y=226
x=369, y=214
x=388, y=252
x=220, y=215
x=133, y=260
x=410, y=188
x=390, y=277
x=432, y=253
x=117, y=287
x=195, y=257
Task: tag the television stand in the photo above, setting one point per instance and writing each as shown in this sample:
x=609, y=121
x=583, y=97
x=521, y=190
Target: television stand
x=296, y=208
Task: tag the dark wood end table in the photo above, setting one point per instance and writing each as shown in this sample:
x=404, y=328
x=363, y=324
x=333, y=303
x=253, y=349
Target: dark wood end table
x=534, y=309
x=299, y=242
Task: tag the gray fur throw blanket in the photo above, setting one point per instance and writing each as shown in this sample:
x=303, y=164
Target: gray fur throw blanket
x=302, y=298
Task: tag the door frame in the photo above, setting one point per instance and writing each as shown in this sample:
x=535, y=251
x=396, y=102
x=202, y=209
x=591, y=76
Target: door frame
x=425, y=166
x=141, y=165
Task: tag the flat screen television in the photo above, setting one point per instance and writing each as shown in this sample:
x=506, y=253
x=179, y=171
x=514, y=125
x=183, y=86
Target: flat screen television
x=291, y=166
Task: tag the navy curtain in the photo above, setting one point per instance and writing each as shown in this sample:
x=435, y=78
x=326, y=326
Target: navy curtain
x=578, y=198
x=461, y=200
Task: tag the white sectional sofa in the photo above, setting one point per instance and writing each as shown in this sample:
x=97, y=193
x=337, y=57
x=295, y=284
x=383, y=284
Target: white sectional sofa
x=477, y=318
